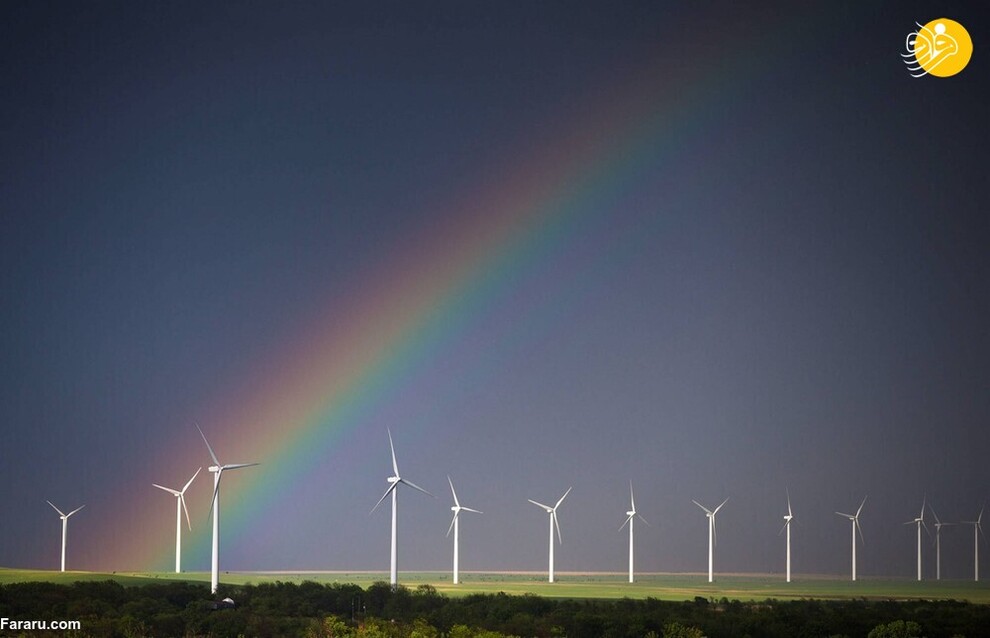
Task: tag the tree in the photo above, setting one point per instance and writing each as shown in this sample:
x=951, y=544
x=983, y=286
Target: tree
x=677, y=630
x=897, y=629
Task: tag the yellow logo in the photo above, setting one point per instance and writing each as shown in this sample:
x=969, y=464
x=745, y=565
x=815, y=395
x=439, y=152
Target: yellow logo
x=941, y=48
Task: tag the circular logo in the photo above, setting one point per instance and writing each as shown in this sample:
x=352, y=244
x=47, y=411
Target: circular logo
x=942, y=47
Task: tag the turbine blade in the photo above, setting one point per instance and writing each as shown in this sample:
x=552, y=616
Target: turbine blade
x=182, y=499
x=720, y=507
x=789, y=512
x=191, y=480
x=452, y=523
x=643, y=519
x=216, y=491
x=714, y=532
x=167, y=489
x=387, y=492
x=395, y=466
x=932, y=510
x=859, y=528
x=60, y=512
x=626, y=522
x=701, y=506
x=861, y=507
x=237, y=466
x=452, y=491
x=783, y=528
x=563, y=497
x=556, y=523
x=850, y=516
x=74, y=511
x=212, y=455
x=414, y=486
x=546, y=507
x=468, y=509
x=632, y=499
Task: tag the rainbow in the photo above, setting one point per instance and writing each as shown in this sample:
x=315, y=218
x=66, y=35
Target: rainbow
x=365, y=346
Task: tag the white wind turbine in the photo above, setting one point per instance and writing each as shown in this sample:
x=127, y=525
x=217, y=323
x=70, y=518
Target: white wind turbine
x=454, y=525
x=977, y=532
x=631, y=514
x=711, y=536
x=552, y=511
x=787, y=526
x=920, y=522
x=394, y=481
x=65, y=526
x=217, y=468
x=854, y=518
x=180, y=506
x=938, y=543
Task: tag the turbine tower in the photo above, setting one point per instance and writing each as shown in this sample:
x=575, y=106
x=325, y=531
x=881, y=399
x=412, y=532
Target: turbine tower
x=787, y=526
x=711, y=536
x=180, y=506
x=552, y=511
x=65, y=526
x=218, y=469
x=631, y=514
x=977, y=532
x=394, y=481
x=920, y=522
x=854, y=519
x=938, y=543
x=454, y=525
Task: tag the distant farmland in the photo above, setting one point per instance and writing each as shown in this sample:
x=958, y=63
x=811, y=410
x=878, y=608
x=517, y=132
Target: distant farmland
x=573, y=585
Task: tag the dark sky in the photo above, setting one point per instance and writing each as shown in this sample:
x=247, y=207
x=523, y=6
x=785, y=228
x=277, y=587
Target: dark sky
x=768, y=268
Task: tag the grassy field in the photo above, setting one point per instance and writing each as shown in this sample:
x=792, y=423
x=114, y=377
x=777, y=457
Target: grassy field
x=661, y=586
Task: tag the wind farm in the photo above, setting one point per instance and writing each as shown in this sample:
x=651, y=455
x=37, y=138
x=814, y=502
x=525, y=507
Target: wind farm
x=624, y=258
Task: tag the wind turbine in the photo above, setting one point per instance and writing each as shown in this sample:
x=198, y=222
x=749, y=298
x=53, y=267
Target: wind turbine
x=65, y=526
x=977, y=532
x=552, y=511
x=711, y=535
x=394, y=481
x=454, y=525
x=180, y=506
x=938, y=543
x=920, y=522
x=787, y=526
x=217, y=468
x=631, y=514
x=854, y=518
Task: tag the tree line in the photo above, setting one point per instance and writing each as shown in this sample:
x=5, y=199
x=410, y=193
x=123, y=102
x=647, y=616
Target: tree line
x=315, y=610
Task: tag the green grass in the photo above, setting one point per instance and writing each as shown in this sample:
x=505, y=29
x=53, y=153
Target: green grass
x=661, y=586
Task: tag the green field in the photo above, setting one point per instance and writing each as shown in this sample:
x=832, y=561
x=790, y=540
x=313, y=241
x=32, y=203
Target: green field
x=661, y=586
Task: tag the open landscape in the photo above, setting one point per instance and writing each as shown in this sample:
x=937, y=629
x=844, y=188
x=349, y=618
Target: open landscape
x=672, y=587
x=490, y=605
